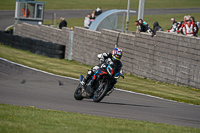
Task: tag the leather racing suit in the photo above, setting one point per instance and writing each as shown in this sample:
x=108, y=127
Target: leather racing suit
x=105, y=59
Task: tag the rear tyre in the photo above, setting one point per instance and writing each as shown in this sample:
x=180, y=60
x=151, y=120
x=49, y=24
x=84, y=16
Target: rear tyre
x=100, y=93
x=78, y=93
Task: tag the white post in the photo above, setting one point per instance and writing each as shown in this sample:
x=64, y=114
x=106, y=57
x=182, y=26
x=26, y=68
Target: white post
x=127, y=18
x=123, y=21
x=141, y=9
x=54, y=18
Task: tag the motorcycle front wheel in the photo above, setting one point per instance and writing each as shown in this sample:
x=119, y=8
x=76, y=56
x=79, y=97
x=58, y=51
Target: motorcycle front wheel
x=100, y=93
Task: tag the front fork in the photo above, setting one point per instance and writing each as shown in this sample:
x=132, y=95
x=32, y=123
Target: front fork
x=109, y=92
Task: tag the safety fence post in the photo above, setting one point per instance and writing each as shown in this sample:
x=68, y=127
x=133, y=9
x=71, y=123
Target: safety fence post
x=71, y=35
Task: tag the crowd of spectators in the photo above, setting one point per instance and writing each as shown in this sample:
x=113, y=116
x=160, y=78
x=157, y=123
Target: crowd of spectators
x=87, y=22
x=143, y=26
x=188, y=26
x=91, y=17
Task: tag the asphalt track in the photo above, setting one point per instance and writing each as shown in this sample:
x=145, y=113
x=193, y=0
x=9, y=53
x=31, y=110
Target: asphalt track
x=7, y=17
x=26, y=87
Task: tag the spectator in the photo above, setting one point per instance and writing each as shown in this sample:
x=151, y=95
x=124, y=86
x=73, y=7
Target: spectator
x=87, y=21
x=197, y=25
x=174, y=26
x=140, y=21
x=92, y=18
x=145, y=25
x=180, y=24
x=189, y=27
x=25, y=12
x=98, y=11
x=182, y=30
x=63, y=23
x=140, y=27
x=156, y=28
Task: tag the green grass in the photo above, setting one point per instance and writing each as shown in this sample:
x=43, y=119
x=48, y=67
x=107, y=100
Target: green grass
x=74, y=69
x=164, y=20
x=105, y=4
x=16, y=119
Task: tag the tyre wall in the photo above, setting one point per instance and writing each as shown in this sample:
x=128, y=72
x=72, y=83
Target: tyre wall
x=56, y=40
x=40, y=47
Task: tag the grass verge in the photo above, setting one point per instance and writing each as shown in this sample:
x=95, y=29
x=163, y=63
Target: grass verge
x=16, y=119
x=105, y=4
x=74, y=69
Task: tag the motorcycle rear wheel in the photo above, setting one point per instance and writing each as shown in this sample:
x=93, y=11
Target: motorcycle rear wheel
x=78, y=93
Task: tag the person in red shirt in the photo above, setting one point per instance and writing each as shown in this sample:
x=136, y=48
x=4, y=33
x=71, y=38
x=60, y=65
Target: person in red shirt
x=25, y=13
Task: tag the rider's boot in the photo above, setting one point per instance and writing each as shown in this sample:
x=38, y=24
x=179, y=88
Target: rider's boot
x=84, y=81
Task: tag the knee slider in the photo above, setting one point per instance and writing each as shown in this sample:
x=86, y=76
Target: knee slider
x=95, y=68
x=90, y=72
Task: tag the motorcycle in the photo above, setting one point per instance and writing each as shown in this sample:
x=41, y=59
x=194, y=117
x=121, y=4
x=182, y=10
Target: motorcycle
x=99, y=85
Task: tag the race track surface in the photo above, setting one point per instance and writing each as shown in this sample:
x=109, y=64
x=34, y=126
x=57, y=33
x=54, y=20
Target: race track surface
x=26, y=87
x=7, y=17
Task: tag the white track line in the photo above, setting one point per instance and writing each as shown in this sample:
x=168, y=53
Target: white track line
x=37, y=69
x=9, y=27
x=78, y=79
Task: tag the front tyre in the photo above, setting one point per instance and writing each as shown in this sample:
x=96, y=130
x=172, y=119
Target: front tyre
x=78, y=93
x=100, y=93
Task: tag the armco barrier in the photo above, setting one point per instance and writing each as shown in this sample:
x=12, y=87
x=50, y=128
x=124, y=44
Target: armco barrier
x=166, y=57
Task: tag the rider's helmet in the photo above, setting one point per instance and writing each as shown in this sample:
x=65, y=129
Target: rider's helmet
x=117, y=53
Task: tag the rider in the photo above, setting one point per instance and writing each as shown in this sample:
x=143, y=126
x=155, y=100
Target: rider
x=106, y=58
